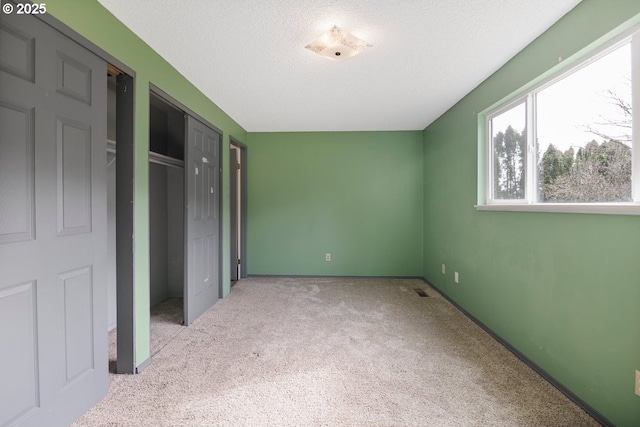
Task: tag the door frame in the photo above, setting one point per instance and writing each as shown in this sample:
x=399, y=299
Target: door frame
x=233, y=142
x=125, y=207
x=234, y=213
x=153, y=89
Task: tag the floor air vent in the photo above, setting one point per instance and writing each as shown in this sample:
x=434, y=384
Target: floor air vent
x=421, y=292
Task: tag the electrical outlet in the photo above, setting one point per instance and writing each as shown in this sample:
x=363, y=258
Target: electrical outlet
x=456, y=278
x=444, y=269
x=327, y=257
x=637, y=382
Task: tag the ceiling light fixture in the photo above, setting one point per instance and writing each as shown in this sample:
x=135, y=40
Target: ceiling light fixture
x=338, y=45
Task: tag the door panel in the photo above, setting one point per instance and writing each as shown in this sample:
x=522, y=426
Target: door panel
x=76, y=307
x=16, y=173
x=73, y=79
x=52, y=225
x=210, y=192
x=211, y=264
x=202, y=171
x=18, y=58
x=19, y=302
x=73, y=178
x=198, y=189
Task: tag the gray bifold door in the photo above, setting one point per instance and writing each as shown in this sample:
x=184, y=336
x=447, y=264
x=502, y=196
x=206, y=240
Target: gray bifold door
x=202, y=218
x=53, y=242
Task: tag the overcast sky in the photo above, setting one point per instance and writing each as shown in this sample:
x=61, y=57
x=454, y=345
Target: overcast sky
x=580, y=99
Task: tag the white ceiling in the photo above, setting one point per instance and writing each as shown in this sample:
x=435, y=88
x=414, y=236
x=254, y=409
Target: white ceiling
x=248, y=56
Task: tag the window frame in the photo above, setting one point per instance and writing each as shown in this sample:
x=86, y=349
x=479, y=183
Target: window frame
x=522, y=100
x=629, y=33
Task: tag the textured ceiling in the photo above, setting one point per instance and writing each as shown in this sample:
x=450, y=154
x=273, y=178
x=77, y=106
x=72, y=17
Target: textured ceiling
x=248, y=56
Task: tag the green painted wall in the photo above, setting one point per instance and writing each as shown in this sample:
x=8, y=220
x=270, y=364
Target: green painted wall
x=96, y=24
x=356, y=195
x=563, y=289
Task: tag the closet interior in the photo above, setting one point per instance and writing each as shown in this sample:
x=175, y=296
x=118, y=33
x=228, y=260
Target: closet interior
x=166, y=208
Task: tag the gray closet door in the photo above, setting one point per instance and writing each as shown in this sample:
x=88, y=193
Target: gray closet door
x=233, y=212
x=53, y=314
x=202, y=189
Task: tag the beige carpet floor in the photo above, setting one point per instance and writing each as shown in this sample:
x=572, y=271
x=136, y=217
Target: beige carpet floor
x=330, y=352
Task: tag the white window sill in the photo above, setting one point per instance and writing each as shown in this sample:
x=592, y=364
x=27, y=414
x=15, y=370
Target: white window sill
x=592, y=208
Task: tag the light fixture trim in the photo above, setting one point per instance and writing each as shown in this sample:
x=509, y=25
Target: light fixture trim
x=338, y=45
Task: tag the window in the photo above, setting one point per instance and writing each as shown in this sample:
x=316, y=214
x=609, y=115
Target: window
x=567, y=143
x=508, y=148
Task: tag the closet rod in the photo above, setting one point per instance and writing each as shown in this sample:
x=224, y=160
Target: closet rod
x=161, y=159
x=154, y=157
